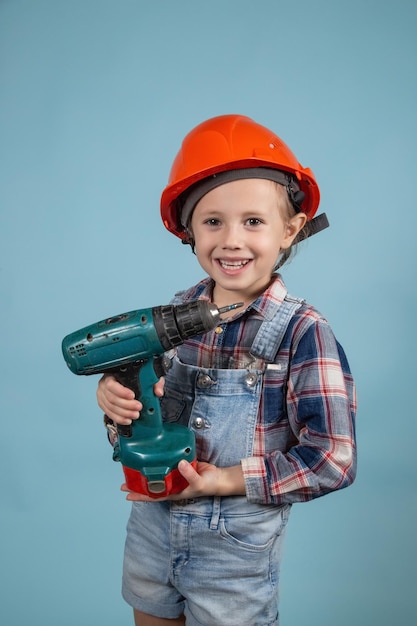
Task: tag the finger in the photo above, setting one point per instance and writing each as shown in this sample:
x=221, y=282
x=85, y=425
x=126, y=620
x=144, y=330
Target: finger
x=120, y=416
x=117, y=401
x=108, y=384
x=188, y=472
x=119, y=409
x=158, y=388
x=133, y=496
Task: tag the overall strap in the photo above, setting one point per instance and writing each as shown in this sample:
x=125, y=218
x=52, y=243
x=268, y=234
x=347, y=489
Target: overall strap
x=271, y=332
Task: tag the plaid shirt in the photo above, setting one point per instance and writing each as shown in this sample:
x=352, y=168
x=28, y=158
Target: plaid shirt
x=304, y=443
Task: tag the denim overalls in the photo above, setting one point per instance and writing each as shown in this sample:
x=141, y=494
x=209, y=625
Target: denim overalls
x=221, y=554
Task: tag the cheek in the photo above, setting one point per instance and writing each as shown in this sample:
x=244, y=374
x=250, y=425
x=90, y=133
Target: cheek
x=204, y=241
x=269, y=244
x=201, y=248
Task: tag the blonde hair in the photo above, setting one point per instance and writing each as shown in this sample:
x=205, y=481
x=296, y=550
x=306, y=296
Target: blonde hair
x=287, y=212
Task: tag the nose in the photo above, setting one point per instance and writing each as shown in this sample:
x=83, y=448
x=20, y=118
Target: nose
x=232, y=237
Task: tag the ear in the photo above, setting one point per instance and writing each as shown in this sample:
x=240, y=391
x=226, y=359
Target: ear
x=293, y=227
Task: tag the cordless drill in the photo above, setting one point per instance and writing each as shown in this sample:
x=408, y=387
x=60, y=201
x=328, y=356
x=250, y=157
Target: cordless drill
x=130, y=346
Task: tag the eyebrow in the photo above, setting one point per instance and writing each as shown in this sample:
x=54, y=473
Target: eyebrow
x=243, y=212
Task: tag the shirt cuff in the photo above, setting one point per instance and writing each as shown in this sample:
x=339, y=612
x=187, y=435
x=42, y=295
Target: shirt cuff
x=255, y=475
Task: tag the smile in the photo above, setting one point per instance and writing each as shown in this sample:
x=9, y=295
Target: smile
x=232, y=265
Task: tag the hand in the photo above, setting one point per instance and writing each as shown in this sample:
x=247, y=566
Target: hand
x=118, y=402
x=207, y=480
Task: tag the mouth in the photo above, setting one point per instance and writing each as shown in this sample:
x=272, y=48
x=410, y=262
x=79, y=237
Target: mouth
x=233, y=265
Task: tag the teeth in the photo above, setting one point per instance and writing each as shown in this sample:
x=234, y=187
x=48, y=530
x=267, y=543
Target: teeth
x=232, y=265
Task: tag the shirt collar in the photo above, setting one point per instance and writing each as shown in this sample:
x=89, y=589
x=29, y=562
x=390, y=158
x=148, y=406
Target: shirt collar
x=271, y=299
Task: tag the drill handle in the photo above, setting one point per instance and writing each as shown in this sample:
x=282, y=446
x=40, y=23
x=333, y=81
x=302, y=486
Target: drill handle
x=140, y=377
x=128, y=376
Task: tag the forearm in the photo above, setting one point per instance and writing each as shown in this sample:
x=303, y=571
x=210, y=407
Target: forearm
x=302, y=474
x=231, y=481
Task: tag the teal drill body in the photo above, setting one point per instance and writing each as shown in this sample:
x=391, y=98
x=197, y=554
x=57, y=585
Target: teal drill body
x=130, y=346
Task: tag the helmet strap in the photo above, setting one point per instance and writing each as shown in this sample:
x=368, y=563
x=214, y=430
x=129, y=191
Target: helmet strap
x=295, y=195
x=188, y=240
x=313, y=226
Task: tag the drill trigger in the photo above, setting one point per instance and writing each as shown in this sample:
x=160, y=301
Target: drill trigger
x=158, y=366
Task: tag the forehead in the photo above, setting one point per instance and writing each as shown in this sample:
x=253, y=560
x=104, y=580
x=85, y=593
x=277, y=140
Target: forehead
x=245, y=192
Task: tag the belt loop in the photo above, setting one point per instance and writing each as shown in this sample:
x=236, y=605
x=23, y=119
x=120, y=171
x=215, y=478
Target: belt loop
x=214, y=522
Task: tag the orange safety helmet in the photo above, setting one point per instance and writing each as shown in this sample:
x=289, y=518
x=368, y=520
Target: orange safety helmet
x=231, y=142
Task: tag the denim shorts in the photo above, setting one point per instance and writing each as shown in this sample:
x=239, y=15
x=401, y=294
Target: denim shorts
x=207, y=559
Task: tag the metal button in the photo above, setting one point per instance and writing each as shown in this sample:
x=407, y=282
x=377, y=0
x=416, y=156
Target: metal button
x=251, y=379
x=204, y=380
x=218, y=330
x=199, y=423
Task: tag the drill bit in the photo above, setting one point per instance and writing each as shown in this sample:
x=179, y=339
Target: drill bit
x=230, y=307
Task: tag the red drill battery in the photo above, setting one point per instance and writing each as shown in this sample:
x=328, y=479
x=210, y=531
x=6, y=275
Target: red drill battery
x=173, y=482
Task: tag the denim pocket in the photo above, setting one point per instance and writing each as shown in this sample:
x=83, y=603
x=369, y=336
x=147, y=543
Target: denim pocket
x=173, y=405
x=255, y=532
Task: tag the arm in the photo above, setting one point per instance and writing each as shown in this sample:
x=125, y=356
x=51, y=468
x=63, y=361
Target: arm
x=119, y=404
x=320, y=406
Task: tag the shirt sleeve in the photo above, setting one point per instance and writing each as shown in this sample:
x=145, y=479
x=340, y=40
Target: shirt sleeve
x=320, y=408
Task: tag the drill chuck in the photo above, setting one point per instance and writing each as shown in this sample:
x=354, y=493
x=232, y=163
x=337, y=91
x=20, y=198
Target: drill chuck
x=175, y=324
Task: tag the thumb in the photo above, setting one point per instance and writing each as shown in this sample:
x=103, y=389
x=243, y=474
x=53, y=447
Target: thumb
x=158, y=387
x=187, y=470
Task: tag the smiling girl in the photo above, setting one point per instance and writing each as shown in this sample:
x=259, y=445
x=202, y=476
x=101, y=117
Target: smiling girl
x=268, y=393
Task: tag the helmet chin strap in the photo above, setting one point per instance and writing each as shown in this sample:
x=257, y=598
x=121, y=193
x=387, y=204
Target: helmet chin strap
x=313, y=226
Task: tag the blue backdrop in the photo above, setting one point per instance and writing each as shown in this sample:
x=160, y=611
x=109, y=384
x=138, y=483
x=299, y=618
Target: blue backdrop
x=95, y=98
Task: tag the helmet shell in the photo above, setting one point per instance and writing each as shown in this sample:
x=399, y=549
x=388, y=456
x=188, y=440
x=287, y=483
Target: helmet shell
x=230, y=142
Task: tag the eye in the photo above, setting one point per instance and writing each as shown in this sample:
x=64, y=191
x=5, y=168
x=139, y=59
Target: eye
x=212, y=221
x=254, y=221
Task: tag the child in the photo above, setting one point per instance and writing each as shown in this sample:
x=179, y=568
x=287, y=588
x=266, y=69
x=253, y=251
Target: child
x=268, y=393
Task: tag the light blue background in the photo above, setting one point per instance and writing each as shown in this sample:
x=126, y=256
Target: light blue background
x=95, y=98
